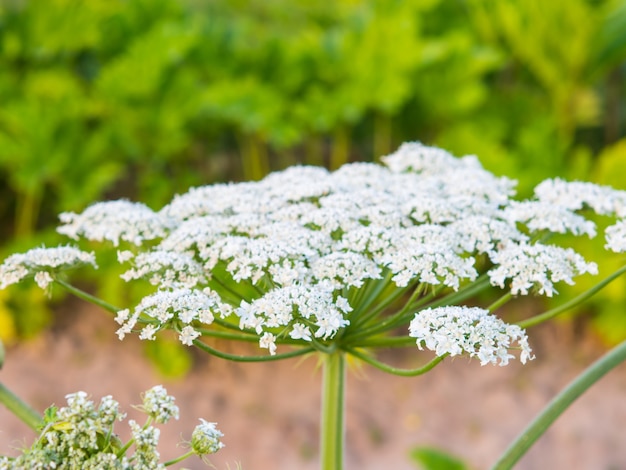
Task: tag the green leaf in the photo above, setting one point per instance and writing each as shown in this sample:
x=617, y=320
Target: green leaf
x=429, y=458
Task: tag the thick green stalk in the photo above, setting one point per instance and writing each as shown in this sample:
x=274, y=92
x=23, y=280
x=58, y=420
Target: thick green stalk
x=20, y=409
x=332, y=431
x=559, y=404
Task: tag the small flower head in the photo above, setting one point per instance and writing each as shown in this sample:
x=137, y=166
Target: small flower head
x=40, y=262
x=616, y=237
x=159, y=405
x=205, y=438
x=457, y=330
x=115, y=221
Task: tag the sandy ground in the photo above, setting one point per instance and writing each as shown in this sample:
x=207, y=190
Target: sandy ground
x=270, y=412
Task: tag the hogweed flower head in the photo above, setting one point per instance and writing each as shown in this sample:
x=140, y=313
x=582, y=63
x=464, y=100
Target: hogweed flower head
x=81, y=435
x=455, y=330
x=205, y=438
x=311, y=257
x=40, y=262
x=159, y=405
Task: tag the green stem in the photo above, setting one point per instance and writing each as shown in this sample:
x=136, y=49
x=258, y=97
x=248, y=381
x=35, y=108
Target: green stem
x=179, y=459
x=575, y=301
x=500, y=302
x=394, y=370
x=332, y=430
x=237, y=358
x=20, y=409
x=81, y=294
x=387, y=342
x=559, y=404
x=463, y=293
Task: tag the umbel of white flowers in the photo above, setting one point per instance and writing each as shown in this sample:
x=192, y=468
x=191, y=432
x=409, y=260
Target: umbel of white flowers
x=288, y=256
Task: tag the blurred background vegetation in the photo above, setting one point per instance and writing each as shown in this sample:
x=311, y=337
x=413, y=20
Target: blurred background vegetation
x=141, y=99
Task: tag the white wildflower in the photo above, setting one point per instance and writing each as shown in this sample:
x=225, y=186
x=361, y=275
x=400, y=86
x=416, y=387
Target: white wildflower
x=616, y=237
x=342, y=269
x=576, y=195
x=538, y=215
x=115, y=221
x=43, y=279
x=268, y=341
x=537, y=266
x=158, y=404
x=300, y=331
x=166, y=269
x=40, y=262
x=205, y=438
x=474, y=331
x=187, y=335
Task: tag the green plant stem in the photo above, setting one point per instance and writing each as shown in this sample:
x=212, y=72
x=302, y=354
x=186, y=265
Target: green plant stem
x=500, y=302
x=179, y=459
x=20, y=409
x=387, y=342
x=559, y=404
x=572, y=303
x=237, y=358
x=332, y=430
x=81, y=294
x=394, y=370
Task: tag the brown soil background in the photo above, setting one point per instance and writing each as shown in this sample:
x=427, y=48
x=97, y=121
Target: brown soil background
x=269, y=412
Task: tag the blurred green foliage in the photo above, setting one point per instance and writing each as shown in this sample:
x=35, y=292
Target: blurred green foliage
x=144, y=98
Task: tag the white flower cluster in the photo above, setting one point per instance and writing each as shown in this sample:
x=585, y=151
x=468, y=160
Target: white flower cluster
x=312, y=305
x=40, y=263
x=457, y=330
x=287, y=252
x=72, y=438
x=182, y=305
x=81, y=436
x=114, y=221
x=166, y=269
x=158, y=404
x=528, y=266
x=616, y=237
x=205, y=438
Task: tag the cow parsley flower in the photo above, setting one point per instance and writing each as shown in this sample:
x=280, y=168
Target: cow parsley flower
x=166, y=269
x=577, y=195
x=115, y=221
x=537, y=266
x=158, y=404
x=474, y=331
x=205, y=438
x=40, y=262
x=616, y=237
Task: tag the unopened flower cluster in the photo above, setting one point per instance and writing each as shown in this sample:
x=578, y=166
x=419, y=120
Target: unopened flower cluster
x=81, y=435
x=286, y=257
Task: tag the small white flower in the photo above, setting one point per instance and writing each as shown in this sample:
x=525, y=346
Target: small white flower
x=43, y=279
x=616, y=237
x=158, y=404
x=187, y=335
x=148, y=332
x=268, y=341
x=300, y=331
